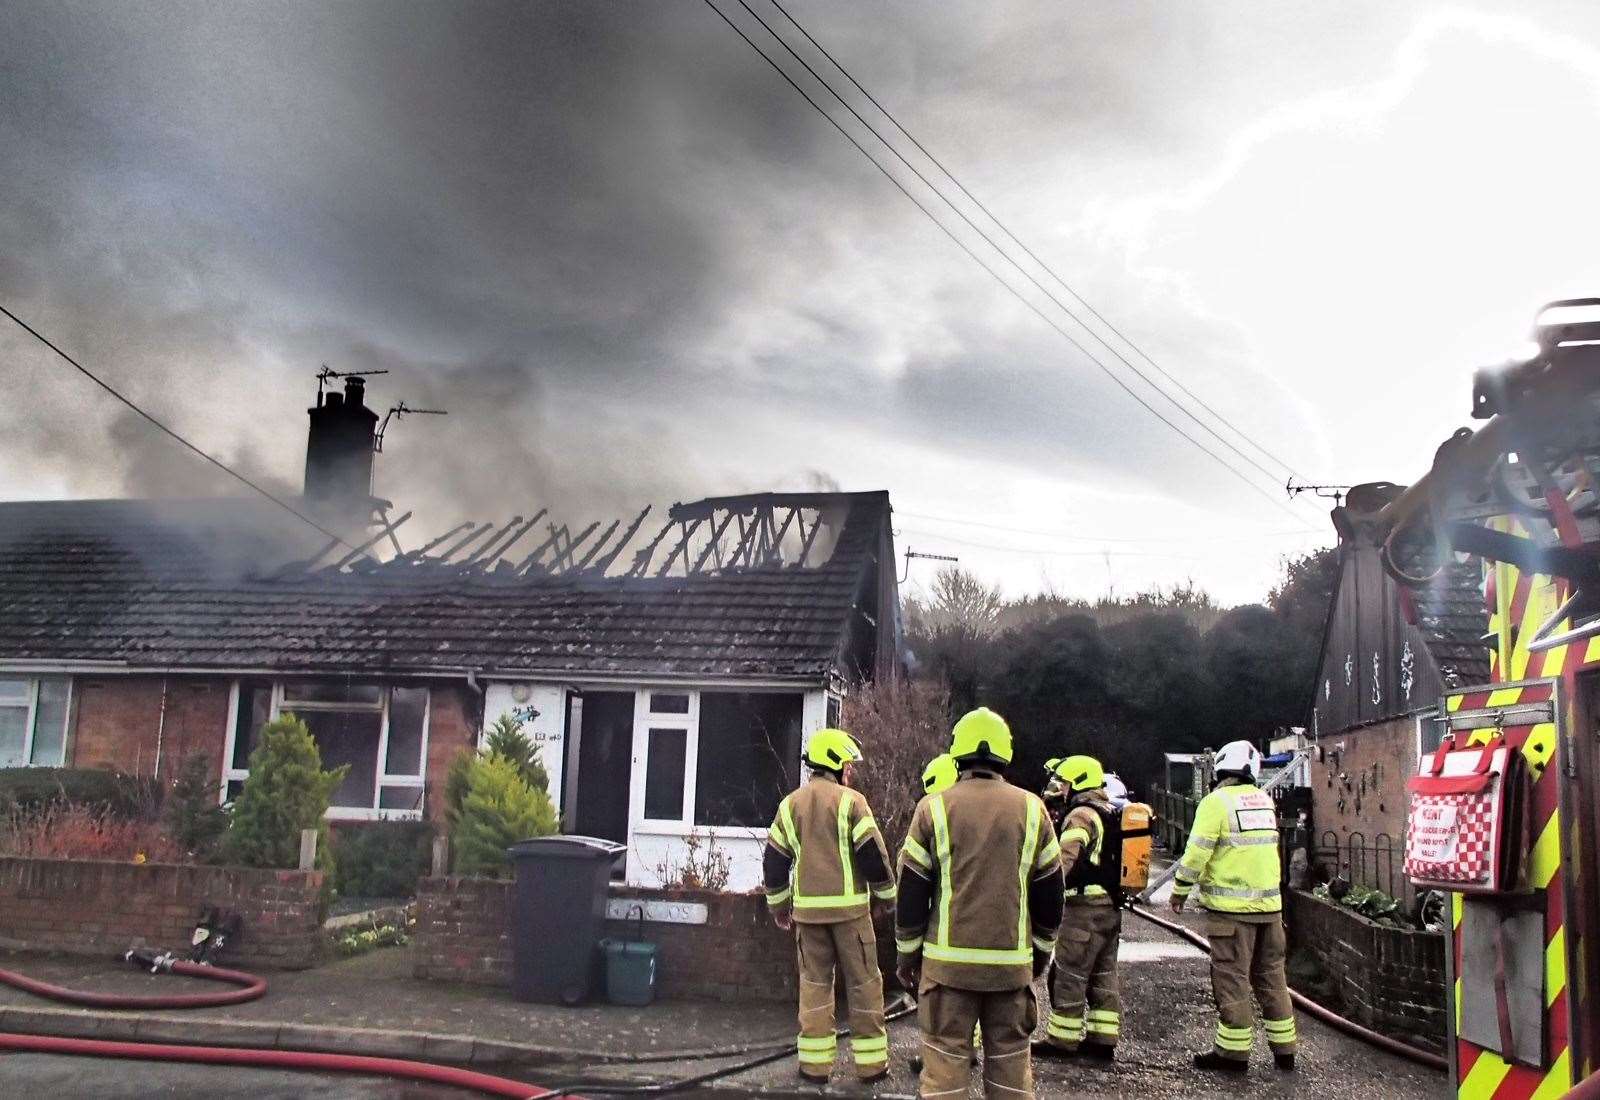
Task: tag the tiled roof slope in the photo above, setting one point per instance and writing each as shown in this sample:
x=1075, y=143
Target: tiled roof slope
x=1453, y=620
x=161, y=585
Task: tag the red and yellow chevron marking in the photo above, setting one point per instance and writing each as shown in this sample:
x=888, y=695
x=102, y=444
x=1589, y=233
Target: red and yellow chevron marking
x=1484, y=1075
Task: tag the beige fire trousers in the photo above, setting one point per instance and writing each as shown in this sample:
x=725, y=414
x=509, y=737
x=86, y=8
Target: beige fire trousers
x=947, y=1017
x=1248, y=956
x=850, y=949
x=1085, y=999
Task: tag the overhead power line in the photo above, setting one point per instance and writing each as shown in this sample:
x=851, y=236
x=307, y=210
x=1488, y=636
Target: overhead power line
x=1079, y=298
x=1124, y=539
x=219, y=464
x=1046, y=318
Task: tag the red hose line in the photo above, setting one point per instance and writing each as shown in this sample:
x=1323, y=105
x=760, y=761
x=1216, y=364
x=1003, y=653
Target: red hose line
x=1310, y=1007
x=250, y=987
x=277, y=1059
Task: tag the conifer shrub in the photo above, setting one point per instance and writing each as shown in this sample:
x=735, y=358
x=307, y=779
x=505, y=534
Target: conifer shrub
x=506, y=739
x=194, y=820
x=287, y=791
x=500, y=809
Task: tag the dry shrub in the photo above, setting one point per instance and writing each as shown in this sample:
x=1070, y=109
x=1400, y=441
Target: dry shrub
x=704, y=866
x=61, y=831
x=901, y=725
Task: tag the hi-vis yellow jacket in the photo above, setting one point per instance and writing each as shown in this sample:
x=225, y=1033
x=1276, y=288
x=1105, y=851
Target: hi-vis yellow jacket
x=1233, y=852
x=824, y=855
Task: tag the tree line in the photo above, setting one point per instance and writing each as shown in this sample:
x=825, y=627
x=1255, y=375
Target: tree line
x=1124, y=678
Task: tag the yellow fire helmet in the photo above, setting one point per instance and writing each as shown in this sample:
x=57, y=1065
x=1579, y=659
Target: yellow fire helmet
x=981, y=733
x=1051, y=765
x=832, y=749
x=1081, y=773
x=940, y=774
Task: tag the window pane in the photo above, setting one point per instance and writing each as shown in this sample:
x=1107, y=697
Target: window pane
x=749, y=756
x=255, y=708
x=13, y=736
x=663, y=780
x=235, y=789
x=400, y=798
x=349, y=738
x=334, y=691
x=668, y=703
x=833, y=712
x=14, y=691
x=50, y=724
x=407, y=707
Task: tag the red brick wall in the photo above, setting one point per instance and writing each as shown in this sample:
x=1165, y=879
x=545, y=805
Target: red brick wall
x=1358, y=791
x=463, y=935
x=116, y=720
x=83, y=907
x=454, y=718
x=1388, y=979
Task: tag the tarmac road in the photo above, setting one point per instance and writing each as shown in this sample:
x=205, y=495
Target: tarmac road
x=51, y=1075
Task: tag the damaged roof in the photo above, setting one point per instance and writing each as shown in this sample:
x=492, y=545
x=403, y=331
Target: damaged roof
x=199, y=585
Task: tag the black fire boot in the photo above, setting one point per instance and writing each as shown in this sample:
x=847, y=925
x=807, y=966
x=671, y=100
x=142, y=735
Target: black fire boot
x=1285, y=1062
x=1098, y=1052
x=1212, y=1060
x=1043, y=1048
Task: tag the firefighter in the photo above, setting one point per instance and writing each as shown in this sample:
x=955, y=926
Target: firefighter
x=979, y=904
x=1085, y=1003
x=1232, y=857
x=940, y=774
x=824, y=862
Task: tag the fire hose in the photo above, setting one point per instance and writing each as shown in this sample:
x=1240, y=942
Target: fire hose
x=250, y=986
x=1311, y=1008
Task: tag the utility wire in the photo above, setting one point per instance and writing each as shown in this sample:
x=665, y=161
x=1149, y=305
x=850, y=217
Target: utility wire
x=1028, y=251
x=1123, y=359
x=1071, y=537
x=1046, y=318
x=103, y=384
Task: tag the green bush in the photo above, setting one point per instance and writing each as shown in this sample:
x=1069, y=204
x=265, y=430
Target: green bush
x=287, y=791
x=383, y=859
x=455, y=785
x=29, y=790
x=194, y=820
x=506, y=739
x=499, y=810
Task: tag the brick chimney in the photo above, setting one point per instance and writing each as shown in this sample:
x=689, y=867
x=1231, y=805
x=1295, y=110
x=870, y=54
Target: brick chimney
x=339, y=451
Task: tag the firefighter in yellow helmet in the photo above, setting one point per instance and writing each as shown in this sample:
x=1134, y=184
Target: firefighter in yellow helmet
x=1085, y=1002
x=1232, y=859
x=824, y=862
x=979, y=903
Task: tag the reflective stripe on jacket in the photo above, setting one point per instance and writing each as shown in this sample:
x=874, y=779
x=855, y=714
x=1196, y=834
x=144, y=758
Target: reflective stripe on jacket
x=1232, y=856
x=815, y=838
x=982, y=851
x=1083, y=837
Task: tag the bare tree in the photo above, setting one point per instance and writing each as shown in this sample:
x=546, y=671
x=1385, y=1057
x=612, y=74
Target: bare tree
x=901, y=725
x=961, y=601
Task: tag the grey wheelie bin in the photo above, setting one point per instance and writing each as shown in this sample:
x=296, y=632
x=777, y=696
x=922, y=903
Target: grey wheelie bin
x=558, y=912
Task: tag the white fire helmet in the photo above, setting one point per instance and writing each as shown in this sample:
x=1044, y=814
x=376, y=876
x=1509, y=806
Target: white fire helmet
x=1238, y=758
x=1116, y=789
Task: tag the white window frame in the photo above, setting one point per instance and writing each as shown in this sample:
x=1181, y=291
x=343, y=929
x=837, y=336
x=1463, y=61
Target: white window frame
x=643, y=722
x=33, y=718
x=382, y=777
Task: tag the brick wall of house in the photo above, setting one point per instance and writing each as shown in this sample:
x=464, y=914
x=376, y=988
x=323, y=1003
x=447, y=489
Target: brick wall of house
x=1389, y=979
x=1358, y=793
x=463, y=935
x=454, y=718
x=83, y=907
x=118, y=722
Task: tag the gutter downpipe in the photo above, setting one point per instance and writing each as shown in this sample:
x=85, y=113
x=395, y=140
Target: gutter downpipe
x=161, y=727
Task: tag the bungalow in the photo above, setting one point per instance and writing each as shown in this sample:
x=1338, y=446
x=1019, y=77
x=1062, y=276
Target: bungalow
x=670, y=687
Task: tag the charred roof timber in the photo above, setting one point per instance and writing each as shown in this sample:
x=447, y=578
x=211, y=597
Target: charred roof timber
x=765, y=531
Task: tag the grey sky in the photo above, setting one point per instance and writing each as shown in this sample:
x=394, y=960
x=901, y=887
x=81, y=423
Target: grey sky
x=636, y=267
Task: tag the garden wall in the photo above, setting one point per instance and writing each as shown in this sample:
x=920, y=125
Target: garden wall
x=1389, y=979
x=83, y=907
x=462, y=935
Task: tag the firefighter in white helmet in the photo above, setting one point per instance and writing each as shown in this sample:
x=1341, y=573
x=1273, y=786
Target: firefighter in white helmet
x=1232, y=859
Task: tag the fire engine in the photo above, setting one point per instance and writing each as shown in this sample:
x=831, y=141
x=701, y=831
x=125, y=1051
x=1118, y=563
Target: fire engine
x=1505, y=812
